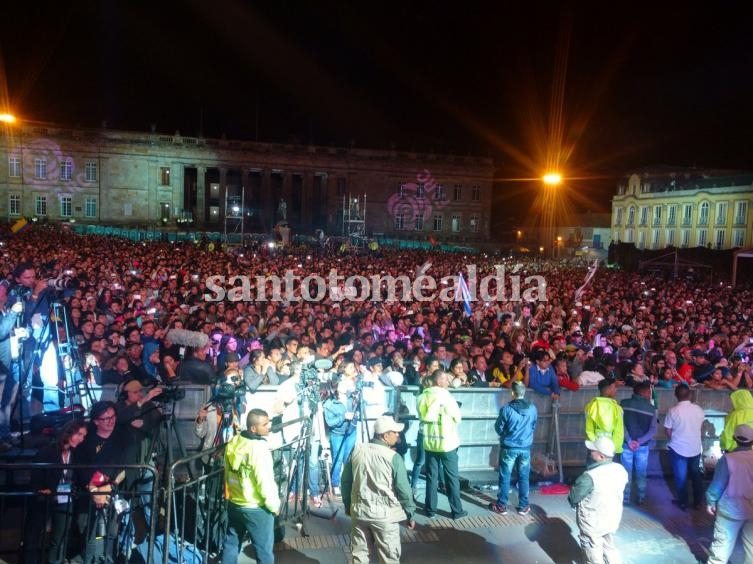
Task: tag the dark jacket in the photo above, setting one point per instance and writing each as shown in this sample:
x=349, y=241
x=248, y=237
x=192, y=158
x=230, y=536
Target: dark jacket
x=639, y=419
x=516, y=424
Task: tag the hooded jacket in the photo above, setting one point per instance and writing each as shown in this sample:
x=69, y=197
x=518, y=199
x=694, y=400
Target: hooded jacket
x=516, y=424
x=249, y=474
x=604, y=419
x=440, y=415
x=742, y=413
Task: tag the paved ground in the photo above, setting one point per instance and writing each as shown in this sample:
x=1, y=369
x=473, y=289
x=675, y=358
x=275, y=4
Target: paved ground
x=655, y=532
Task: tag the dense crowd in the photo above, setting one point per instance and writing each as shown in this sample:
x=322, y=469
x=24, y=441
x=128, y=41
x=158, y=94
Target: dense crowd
x=124, y=301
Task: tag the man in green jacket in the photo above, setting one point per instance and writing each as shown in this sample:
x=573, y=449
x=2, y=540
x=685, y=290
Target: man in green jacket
x=440, y=415
x=604, y=416
x=251, y=491
x=377, y=495
x=741, y=414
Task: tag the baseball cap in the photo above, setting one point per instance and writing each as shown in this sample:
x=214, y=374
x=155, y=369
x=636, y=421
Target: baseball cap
x=604, y=445
x=133, y=386
x=385, y=424
x=743, y=434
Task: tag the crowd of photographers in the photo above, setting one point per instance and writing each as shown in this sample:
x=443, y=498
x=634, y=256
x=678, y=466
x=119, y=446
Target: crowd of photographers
x=124, y=302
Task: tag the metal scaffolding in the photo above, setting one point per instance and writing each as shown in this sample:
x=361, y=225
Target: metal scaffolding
x=354, y=219
x=235, y=212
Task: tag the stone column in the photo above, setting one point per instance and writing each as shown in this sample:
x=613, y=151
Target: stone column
x=266, y=205
x=223, y=192
x=200, y=210
x=307, y=201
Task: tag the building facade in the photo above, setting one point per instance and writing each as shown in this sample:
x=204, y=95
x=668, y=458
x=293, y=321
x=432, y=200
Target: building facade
x=682, y=208
x=124, y=178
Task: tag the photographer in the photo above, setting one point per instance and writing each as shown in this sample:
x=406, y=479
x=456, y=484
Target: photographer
x=8, y=317
x=137, y=410
x=33, y=294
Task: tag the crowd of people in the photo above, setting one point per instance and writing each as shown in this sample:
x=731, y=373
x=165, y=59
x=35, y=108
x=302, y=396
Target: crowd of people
x=122, y=300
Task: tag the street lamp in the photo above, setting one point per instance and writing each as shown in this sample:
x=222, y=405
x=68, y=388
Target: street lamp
x=551, y=181
x=7, y=118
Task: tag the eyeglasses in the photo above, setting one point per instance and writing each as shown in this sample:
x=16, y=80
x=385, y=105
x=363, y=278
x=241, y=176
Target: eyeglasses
x=106, y=419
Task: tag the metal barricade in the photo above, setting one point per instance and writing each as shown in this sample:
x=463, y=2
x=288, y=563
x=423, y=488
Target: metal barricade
x=125, y=522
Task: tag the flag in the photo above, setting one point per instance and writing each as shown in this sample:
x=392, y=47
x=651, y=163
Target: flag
x=589, y=277
x=465, y=293
x=19, y=226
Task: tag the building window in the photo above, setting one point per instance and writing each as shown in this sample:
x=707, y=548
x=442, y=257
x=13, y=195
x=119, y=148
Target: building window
x=401, y=190
x=14, y=204
x=420, y=191
x=644, y=215
x=419, y=222
x=671, y=215
x=721, y=213
x=455, y=224
x=90, y=207
x=341, y=187
x=400, y=221
x=457, y=192
x=719, y=238
x=628, y=235
x=657, y=216
x=65, y=206
x=473, y=224
x=164, y=212
x=66, y=170
x=741, y=213
x=14, y=167
x=641, y=239
x=438, y=220
x=702, y=237
x=703, y=214
x=618, y=216
x=164, y=176
x=40, y=205
x=439, y=192
x=685, y=236
x=654, y=238
x=687, y=214
x=90, y=172
x=738, y=237
x=645, y=187
x=670, y=237
x=40, y=169
x=476, y=193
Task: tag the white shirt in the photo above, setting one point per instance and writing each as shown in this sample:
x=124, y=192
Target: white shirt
x=685, y=419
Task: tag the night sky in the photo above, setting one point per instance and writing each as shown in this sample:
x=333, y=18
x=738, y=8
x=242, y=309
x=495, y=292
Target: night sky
x=597, y=90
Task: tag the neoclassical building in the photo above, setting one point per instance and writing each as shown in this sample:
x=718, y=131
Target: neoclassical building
x=682, y=207
x=128, y=178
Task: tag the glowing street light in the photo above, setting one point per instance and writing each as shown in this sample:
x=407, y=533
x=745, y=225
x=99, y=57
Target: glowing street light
x=7, y=118
x=552, y=178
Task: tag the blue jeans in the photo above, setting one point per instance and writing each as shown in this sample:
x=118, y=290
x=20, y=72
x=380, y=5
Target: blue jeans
x=259, y=524
x=419, y=463
x=520, y=459
x=682, y=467
x=448, y=461
x=342, y=446
x=639, y=458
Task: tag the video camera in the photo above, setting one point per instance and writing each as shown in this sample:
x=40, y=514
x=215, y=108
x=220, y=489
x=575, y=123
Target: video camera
x=170, y=393
x=63, y=282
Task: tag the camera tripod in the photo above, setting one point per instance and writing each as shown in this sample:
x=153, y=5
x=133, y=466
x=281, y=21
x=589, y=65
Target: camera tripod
x=165, y=437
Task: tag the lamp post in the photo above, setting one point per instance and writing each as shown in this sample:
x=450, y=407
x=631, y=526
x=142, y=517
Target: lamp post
x=551, y=181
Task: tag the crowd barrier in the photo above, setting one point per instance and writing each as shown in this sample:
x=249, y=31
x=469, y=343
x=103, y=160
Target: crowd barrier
x=479, y=449
x=128, y=521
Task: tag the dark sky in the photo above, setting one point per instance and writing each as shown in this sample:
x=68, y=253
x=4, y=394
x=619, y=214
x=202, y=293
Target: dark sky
x=654, y=84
